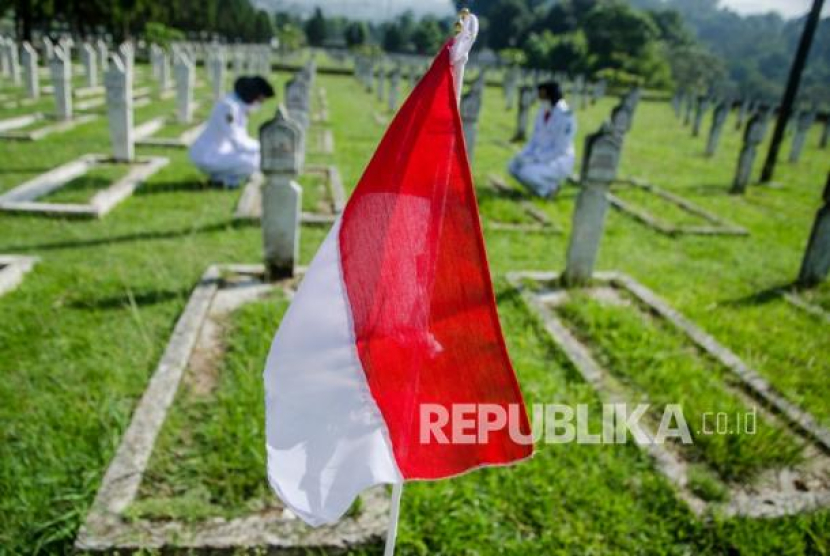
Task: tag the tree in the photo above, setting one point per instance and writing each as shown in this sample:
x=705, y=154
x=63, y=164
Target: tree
x=428, y=36
x=315, y=28
x=514, y=19
x=356, y=34
x=393, y=39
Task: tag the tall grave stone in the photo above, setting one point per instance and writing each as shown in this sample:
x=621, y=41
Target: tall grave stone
x=470, y=109
x=511, y=83
x=753, y=136
x=804, y=121
x=184, y=88
x=718, y=119
x=297, y=100
x=14, y=62
x=280, y=140
x=217, y=74
x=599, y=170
x=103, y=55
x=89, y=58
x=526, y=97
x=119, y=85
x=31, y=76
x=394, y=86
x=816, y=263
x=700, y=110
x=60, y=67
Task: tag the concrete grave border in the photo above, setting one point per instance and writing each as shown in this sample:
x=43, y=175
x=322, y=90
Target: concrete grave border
x=669, y=461
x=719, y=226
x=794, y=299
x=543, y=222
x=12, y=270
x=41, y=132
x=249, y=206
x=107, y=529
x=325, y=141
x=23, y=198
x=322, y=114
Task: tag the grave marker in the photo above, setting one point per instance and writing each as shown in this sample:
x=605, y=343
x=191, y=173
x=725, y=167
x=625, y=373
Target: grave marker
x=599, y=170
x=103, y=55
x=280, y=140
x=13, y=61
x=90, y=62
x=753, y=136
x=297, y=100
x=511, y=84
x=184, y=88
x=61, y=69
x=470, y=108
x=816, y=263
x=394, y=85
x=804, y=121
x=119, y=85
x=31, y=75
x=217, y=74
x=700, y=110
x=526, y=97
x=718, y=119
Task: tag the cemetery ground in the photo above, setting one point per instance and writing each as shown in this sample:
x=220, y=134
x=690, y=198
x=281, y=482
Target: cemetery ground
x=81, y=335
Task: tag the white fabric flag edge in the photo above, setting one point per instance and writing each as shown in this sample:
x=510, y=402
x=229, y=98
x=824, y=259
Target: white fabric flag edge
x=326, y=438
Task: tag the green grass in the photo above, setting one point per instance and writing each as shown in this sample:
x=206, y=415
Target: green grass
x=81, y=336
x=663, y=365
x=662, y=210
x=82, y=188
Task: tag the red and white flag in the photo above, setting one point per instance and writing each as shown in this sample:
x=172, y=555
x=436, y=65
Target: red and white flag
x=395, y=314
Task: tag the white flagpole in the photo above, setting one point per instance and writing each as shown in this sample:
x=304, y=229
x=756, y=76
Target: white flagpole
x=394, y=511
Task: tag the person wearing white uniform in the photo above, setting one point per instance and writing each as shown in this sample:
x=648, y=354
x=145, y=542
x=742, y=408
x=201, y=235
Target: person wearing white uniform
x=548, y=158
x=224, y=150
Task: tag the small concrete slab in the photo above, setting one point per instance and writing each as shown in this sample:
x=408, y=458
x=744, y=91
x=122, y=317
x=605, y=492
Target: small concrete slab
x=41, y=132
x=805, y=488
x=12, y=270
x=542, y=223
x=145, y=135
x=325, y=141
x=249, y=206
x=794, y=299
x=718, y=227
x=17, y=122
x=23, y=198
x=222, y=289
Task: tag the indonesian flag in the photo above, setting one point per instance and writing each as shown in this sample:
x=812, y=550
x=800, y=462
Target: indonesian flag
x=395, y=314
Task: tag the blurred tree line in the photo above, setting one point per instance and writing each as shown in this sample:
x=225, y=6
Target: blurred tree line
x=756, y=50
x=232, y=20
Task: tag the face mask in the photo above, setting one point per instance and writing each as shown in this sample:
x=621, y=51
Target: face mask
x=545, y=104
x=254, y=106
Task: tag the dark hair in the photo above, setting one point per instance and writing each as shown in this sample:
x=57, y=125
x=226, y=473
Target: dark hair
x=552, y=91
x=251, y=88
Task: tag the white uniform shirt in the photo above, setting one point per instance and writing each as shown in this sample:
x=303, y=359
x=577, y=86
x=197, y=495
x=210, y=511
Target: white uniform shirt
x=224, y=145
x=552, y=139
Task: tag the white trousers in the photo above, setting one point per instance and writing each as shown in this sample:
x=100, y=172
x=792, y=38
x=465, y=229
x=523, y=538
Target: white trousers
x=229, y=168
x=542, y=178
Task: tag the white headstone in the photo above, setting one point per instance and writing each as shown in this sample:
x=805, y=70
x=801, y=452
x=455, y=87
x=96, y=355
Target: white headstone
x=31, y=74
x=61, y=69
x=280, y=141
x=816, y=263
x=755, y=131
x=184, y=88
x=526, y=97
x=599, y=170
x=394, y=86
x=14, y=62
x=718, y=119
x=89, y=58
x=297, y=100
x=470, y=108
x=804, y=121
x=118, y=82
x=217, y=73
x=103, y=55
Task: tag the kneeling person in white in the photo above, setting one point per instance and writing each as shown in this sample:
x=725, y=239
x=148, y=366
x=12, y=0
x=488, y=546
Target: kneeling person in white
x=224, y=150
x=548, y=158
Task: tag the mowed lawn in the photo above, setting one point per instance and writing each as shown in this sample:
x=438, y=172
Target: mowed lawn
x=82, y=335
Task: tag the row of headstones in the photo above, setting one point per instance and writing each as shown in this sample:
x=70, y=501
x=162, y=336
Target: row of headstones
x=374, y=75
x=581, y=91
x=283, y=147
x=20, y=63
x=693, y=110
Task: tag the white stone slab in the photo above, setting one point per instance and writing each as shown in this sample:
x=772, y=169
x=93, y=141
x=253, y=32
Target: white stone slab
x=12, y=270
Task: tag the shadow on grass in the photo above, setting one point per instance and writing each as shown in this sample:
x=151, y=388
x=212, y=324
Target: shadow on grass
x=156, y=188
x=141, y=236
x=762, y=297
x=128, y=299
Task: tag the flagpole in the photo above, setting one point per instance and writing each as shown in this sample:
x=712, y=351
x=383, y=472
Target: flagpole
x=394, y=511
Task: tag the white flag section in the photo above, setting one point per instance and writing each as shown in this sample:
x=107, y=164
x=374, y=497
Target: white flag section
x=327, y=441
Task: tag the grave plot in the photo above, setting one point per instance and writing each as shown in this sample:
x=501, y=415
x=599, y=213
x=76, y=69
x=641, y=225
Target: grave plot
x=167, y=132
x=89, y=187
x=169, y=484
x=324, y=143
x=323, y=196
x=504, y=209
x=36, y=126
x=321, y=115
x=12, y=270
x=677, y=216
x=767, y=458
